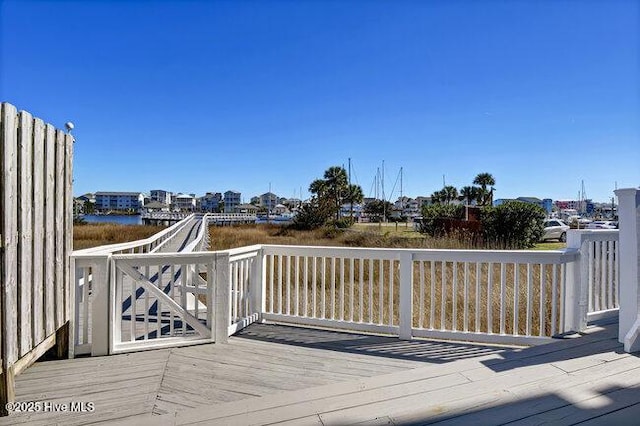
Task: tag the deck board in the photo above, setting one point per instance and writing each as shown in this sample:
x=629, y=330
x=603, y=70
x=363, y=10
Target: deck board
x=272, y=373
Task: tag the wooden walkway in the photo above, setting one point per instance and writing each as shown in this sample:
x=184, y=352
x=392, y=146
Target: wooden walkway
x=275, y=374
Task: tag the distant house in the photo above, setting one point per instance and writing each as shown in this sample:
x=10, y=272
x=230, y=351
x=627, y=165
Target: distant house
x=231, y=200
x=161, y=196
x=268, y=200
x=106, y=201
x=210, y=202
x=184, y=202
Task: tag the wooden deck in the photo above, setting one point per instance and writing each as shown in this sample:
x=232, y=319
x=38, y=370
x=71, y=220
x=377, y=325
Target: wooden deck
x=276, y=374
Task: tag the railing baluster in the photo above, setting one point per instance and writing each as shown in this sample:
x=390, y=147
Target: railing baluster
x=603, y=274
x=133, y=313
x=477, y=311
x=146, y=307
x=297, y=284
x=323, y=277
x=391, y=280
x=380, y=291
x=563, y=298
x=554, y=299
x=543, y=300
x=490, y=298
x=529, y=299
x=280, y=284
x=305, y=266
x=271, y=279
x=616, y=265
x=592, y=281
x=443, y=295
x=361, y=280
x=370, y=290
x=503, y=297
x=432, y=305
x=516, y=298
x=610, y=304
x=341, y=316
x=454, y=297
x=314, y=287
x=288, y=287
x=172, y=289
x=352, y=284
x=421, y=309
x=333, y=288
x=465, y=321
x=183, y=296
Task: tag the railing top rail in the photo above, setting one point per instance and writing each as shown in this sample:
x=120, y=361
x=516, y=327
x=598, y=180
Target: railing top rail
x=495, y=256
x=133, y=244
x=201, y=233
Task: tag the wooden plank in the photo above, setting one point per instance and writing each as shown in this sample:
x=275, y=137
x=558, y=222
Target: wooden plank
x=9, y=234
x=59, y=229
x=25, y=229
x=49, y=231
x=38, y=231
x=68, y=226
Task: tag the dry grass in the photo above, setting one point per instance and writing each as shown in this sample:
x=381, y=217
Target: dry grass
x=99, y=234
x=346, y=298
x=223, y=238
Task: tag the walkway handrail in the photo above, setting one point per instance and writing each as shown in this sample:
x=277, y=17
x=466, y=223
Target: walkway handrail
x=160, y=236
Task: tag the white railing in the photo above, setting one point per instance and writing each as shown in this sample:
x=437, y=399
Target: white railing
x=599, y=269
x=511, y=297
x=93, y=284
x=487, y=296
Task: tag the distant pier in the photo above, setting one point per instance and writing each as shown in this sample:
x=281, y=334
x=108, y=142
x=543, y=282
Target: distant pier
x=218, y=219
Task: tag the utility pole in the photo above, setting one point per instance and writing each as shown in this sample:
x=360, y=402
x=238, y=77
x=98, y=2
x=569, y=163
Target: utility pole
x=350, y=193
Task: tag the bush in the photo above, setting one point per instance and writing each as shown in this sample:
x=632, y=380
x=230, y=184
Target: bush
x=433, y=217
x=310, y=216
x=513, y=225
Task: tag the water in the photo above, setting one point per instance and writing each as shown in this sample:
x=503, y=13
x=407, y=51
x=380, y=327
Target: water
x=113, y=218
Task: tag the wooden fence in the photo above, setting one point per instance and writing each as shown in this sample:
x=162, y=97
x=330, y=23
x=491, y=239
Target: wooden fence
x=36, y=218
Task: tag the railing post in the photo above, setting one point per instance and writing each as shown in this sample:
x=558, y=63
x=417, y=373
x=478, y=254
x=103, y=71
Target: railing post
x=629, y=285
x=576, y=286
x=406, y=295
x=222, y=299
x=258, y=284
x=101, y=301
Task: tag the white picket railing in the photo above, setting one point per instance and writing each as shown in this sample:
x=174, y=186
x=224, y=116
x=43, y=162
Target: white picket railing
x=92, y=271
x=511, y=297
x=488, y=296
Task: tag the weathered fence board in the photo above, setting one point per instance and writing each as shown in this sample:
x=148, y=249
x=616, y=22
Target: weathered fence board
x=35, y=227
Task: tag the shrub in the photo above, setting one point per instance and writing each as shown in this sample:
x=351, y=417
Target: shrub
x=310, y=216
x=513, y=225
x=433, y=217
x=342, y=223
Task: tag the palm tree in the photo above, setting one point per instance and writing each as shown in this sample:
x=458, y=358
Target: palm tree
x=468, y=193
x=450, y=193
x=334, y=189
x=354, y=196
x=435, y=197
x=485, y=180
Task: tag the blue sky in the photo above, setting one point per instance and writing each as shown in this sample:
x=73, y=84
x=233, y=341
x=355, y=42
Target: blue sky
x=217, y=95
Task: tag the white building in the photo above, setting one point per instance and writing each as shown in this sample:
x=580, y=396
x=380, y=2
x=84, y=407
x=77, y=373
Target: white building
x=184, y=202
x=231, y=200
x=119, y=201
x=268, y=200
x=161, y=196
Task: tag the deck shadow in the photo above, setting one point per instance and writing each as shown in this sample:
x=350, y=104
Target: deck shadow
x=428, y=351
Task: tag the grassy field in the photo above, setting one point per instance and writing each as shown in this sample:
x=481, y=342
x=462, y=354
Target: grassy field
x=99, y=234
x=222, y=238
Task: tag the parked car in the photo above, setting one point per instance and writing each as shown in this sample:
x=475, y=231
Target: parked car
x=555, y=229
x=602, y=224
